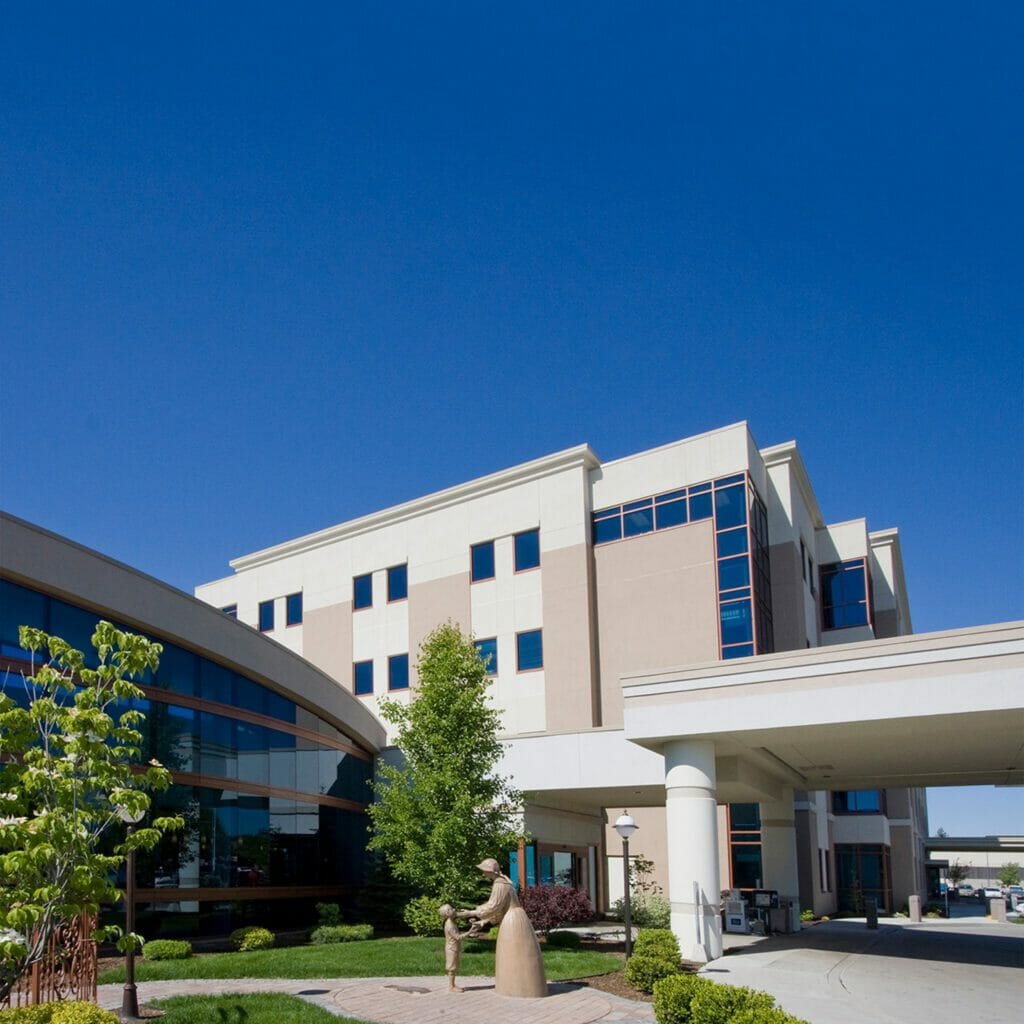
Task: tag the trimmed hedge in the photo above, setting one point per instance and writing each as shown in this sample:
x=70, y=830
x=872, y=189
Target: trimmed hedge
x=673, y=996
x=643, y=970
x=329, y=934
x=167, y=949
x=564, y=940
x=719, y=1003
x=74, y=1012
x=245, y=940
x=776, y=1015
x=659, y=942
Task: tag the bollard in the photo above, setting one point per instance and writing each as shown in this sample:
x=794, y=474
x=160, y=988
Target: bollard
x=914, y=906
x=997, y=909
x=871, y=912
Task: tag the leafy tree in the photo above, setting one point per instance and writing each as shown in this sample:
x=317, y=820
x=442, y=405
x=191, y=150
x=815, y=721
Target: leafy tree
x=1009, y=873
x=956, y=873
x=446, y=809
x=68, y=755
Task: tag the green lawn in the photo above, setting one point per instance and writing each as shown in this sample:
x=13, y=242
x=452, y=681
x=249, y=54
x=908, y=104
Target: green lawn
x=255, y=1009
x=376, y=958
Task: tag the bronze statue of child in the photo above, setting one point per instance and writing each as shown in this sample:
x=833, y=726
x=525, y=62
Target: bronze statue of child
x=452, y=944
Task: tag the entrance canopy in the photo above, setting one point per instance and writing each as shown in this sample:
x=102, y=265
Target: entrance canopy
x=937, y=709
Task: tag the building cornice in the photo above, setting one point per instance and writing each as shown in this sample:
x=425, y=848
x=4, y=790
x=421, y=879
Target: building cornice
x=789, y=453
x=571, y=458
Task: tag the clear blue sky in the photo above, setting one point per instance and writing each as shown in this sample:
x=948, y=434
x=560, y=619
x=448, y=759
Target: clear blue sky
x=263, y=270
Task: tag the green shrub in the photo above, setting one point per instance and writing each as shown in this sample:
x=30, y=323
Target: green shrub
x=673, y=996
x=328, y=915
x=564, y=940
x=82, y=1013
x=659, y=942
x=718, y=1003
x=807, y=915
x=167, y=949
x=73, y=1012
x=642, y=970
x=762, y=1016
x=328, y=934
x=245, y=940
x=40, y=1013
x=421, y=915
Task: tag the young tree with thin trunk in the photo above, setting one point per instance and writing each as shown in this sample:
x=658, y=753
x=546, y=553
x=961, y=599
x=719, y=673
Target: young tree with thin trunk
x=447, y=808
x=69, y=775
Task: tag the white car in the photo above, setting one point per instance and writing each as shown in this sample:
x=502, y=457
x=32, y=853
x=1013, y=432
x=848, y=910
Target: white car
x=989, y=892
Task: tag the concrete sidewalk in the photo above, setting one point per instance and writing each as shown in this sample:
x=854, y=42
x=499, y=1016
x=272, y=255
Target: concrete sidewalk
x=935, y=972
x=414, y=1000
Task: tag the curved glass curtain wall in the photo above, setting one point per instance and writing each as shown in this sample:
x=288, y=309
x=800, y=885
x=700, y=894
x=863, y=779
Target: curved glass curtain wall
x=273, y=797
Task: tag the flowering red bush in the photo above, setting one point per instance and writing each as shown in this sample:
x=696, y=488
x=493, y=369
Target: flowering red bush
x=550, y=906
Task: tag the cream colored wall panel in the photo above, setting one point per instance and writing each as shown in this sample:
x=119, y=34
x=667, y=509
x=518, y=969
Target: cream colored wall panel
x=691, y=461
x=861, y=828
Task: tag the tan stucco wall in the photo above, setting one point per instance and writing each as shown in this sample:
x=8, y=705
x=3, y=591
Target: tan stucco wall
x=327, y=640
x=569, y=662
x=657, y=605
x=431, y=604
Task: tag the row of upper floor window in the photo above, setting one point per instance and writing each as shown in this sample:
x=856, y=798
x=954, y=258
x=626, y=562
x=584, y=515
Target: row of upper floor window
x=529, y=658
x=525, y=556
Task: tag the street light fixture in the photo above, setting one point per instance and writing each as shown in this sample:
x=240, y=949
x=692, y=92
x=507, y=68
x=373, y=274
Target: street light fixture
x=130, y=999
x=626, y=826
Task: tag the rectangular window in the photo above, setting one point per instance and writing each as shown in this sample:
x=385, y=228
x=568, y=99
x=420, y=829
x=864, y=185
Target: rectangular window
x=481, y=557
x=527, y=550
x=488, y=651
x=293, y=609
x=858, y=801
x=803, y=558
x=844, y=594
x=230, y=610
x=745, y=864
x=362, y=591
x=608, y=525
x=362, y=678
x=638, y=517
x=398, y=672
x=266, y=616
x=398, y=583
x=529, y=651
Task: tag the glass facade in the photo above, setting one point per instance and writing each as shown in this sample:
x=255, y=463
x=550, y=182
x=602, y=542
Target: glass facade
x=859, y=801
x=862, y=872
x=273, y=796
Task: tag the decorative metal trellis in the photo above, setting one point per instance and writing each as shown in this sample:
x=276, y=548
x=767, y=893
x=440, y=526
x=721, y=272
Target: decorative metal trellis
x=68, y=971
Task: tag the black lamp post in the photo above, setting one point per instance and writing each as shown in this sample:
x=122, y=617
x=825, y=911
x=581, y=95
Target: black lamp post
x=130, y=999
x=626, y=826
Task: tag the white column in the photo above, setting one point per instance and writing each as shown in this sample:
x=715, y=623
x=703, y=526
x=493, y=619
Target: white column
x=778, y=849
x=692, y=831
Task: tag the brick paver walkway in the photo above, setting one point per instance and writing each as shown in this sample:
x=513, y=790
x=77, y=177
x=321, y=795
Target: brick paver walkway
x=414, y=1000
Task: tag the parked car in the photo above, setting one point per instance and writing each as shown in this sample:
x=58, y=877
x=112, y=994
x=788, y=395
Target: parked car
x=989, y=892
x=965, y=890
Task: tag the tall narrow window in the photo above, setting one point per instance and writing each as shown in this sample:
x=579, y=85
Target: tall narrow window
x=362, y=678
x=527, y=550
x=398, y=672
x=293, y=609
x=266, y=616
x=362, y=591
x=529, y=651
x=398, y=583
x=488, y=651
x=481, y=558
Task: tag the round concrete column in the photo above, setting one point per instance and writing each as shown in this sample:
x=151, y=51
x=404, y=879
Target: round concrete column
x=691, y=820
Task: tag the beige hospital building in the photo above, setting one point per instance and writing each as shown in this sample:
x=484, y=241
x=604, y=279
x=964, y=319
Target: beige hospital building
x=580, y=579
